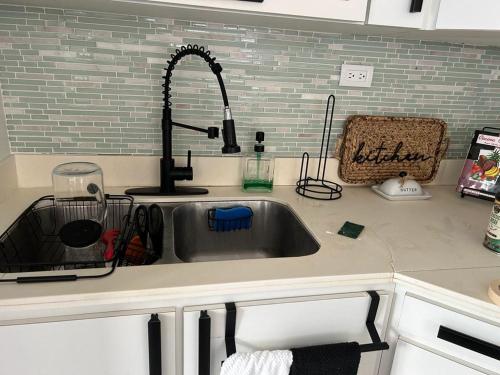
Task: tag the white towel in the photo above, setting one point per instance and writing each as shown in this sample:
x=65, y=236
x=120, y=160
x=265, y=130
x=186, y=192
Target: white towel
x=275, y=362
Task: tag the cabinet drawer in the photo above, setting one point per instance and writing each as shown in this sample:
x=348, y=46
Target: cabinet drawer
x=287, y=323
x=424, y=321
x=412, y=360
x=112, y=345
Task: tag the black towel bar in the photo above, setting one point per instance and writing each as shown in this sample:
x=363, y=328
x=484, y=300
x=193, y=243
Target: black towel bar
x=204, y=333
x=376, y=344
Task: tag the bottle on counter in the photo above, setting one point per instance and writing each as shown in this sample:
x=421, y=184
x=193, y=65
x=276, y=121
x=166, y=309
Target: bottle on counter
x=258, y=168
x=492, y=237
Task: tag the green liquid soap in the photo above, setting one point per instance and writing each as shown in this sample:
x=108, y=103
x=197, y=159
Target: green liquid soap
x=257, y=185
x=258, y=168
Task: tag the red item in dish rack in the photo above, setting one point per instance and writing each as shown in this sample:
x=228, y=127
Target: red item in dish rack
x=109, y=238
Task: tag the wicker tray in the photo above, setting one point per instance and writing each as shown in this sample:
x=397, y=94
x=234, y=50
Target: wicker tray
x=375, y=148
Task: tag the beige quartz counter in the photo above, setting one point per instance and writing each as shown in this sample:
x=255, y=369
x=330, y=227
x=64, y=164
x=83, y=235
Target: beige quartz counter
x=436, y=242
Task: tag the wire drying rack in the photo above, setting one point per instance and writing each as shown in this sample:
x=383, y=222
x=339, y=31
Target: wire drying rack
x=32, y=242
x=319, y=187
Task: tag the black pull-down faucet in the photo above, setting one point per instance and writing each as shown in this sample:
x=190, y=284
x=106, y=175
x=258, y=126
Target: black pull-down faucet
x=169, y=173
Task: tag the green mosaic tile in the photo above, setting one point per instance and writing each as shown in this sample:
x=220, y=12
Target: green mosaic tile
x=99, y=89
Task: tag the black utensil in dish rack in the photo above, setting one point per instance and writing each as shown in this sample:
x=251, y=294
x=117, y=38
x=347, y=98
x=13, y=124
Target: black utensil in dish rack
x=32, y=243
x=148, y=224
x=318, y=187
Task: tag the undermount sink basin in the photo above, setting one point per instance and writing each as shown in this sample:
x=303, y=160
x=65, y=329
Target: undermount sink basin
x=275, y=232
x=32, y=244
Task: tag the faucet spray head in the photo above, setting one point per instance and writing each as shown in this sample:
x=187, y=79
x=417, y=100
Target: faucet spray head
x=229, y=133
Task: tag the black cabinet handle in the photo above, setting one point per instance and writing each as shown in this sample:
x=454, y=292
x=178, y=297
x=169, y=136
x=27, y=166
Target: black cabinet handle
x=469, y=342
x=416, y=6
x=154, y=341
x=204, y=324
x=230, y=328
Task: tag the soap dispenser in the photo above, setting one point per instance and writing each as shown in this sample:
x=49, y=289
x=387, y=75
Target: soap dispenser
x=258, y=170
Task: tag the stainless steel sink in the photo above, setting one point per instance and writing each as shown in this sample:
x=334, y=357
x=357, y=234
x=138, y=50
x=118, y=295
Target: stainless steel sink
x=32, y=243
x=275, y=232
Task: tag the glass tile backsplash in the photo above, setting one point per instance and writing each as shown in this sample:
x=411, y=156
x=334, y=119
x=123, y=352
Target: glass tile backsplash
x=89, y=82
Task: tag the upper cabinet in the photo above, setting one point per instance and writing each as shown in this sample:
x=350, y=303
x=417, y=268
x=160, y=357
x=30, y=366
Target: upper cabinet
x=415, y=14
x=436, y=14
x=469, y=15
x=472, y=21
x=344, y=10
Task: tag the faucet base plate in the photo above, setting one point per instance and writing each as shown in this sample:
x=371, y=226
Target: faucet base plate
x=155, y=191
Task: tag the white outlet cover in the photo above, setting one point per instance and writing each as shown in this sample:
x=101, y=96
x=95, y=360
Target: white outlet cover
x=356, y=75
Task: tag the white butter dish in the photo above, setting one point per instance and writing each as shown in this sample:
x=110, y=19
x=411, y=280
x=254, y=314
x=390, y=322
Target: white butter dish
x=413, y=197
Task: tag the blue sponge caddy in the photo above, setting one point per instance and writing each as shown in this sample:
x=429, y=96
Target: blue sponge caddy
x=230, y=218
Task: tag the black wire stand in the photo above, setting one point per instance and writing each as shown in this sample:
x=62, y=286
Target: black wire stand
x=319, y=188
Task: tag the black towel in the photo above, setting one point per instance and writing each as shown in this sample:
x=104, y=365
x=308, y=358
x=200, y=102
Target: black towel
x=333, y=359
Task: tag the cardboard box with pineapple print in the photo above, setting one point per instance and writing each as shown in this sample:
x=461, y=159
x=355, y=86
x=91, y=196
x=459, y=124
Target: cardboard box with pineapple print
x=481, y=172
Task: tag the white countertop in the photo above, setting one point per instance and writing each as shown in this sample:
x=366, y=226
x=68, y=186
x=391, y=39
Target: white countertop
x=436, y=242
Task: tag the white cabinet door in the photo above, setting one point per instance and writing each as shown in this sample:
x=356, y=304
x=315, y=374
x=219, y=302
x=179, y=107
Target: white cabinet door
x=115, y=345
x=285, y=324
x=412, y=360
x=346, y=10
x=397, y=13
x=469, y=15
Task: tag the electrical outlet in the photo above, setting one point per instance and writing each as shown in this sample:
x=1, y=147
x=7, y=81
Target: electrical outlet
x=356, y=75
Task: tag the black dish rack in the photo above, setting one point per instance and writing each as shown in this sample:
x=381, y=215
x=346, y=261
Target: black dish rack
x=32, y=242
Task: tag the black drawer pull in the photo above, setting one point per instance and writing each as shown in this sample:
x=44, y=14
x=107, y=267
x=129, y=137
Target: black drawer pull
x=469, y=342
x=416, y=6
x=154, y=341
x=204, y=343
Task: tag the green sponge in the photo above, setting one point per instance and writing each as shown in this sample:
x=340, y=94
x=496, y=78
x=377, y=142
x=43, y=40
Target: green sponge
x=351, y=230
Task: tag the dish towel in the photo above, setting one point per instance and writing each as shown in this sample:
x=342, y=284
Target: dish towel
x=274, y=362
x=334, y=359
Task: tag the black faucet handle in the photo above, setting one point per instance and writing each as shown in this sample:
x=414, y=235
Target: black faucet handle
x=213, y=132
x=182, y=173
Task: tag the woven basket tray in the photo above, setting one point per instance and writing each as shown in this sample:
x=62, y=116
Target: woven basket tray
x=375, y=148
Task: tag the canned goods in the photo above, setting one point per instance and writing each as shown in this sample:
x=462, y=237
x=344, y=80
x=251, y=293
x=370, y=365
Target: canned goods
x=492, y=237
